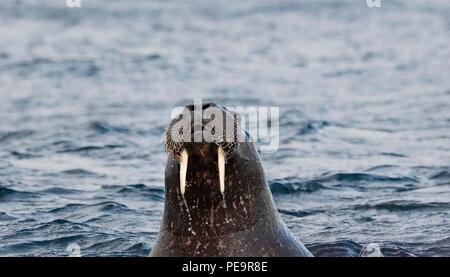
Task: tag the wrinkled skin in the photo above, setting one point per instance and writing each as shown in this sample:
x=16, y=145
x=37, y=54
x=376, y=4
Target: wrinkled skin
x=242, y=222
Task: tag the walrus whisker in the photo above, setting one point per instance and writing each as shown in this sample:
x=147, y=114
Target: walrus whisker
x=221, y=162
x=184, y=157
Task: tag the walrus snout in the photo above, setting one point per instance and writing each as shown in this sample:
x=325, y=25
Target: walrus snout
x=201, y=151
x=205, y=123
x=206, y=131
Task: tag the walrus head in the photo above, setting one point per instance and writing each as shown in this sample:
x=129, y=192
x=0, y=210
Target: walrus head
x=212, y=136
x=212, y=165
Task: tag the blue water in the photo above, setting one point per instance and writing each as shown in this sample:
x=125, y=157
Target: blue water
x=364, y=97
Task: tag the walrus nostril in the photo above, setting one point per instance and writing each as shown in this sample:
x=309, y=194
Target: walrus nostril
x=208, y=105
x=191, y=107
x=202, y=152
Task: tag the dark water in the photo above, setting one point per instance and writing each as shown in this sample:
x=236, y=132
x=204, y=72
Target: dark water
x=364, y=97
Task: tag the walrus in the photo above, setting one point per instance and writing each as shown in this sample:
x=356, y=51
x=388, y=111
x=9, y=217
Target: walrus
x=217, y=200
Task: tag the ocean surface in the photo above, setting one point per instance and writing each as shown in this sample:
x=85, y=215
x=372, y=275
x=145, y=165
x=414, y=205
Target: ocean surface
x=364, y=98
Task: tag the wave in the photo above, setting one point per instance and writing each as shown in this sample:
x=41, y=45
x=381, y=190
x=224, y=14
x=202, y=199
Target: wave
x=299, y=213
x=312, y=126
x=119, y=246
x=441, y=178
x=104, y=127
x=21, y=155
x=48, y=229
x=349, y=248
x=90, y=148
x=293, y=185
x=55, y=68
x=107, y=206
x=11, y=194
x=360, y=177
x=4, y=216
x=300, y=127
x=4, y=137
x=382, y=167
x=67, y=208
x=432, y=248
x=403, y=205
x=391, y=154
x=57, y=190
x=40, y=248
x=343, y=72
x=79, y=172
x=344, y=248
x=435, y=248
x=139, y=190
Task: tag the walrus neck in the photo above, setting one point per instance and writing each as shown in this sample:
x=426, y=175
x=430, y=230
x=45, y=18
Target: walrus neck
x=203, y=210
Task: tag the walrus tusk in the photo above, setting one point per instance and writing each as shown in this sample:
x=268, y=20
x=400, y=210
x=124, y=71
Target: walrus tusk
x=183, y=169
x=221, y=162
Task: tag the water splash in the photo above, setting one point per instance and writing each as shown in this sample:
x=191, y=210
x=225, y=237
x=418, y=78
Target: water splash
x=371, y=250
